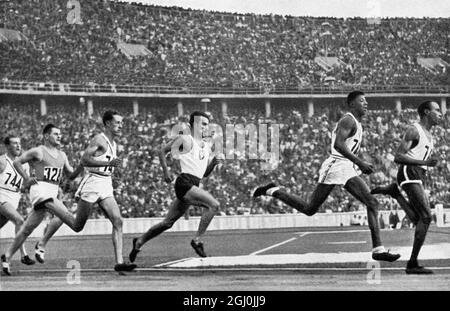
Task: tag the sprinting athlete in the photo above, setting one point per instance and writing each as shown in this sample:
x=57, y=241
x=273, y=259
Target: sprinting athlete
x=10, y=186
x=343, y=167
x=99, y=160
x=47, y=163
x=414, y=157
x=194, y=159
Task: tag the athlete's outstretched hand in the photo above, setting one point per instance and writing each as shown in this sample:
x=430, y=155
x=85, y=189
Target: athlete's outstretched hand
x=432, y=162
x=167, y=178
x=366, y=167
x=219, y=159
x=115, y=162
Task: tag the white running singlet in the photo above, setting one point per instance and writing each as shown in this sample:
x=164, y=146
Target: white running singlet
x=110, y=154
x=353, y=142
x=10, y=179
x=424, y=147
x=196, y=160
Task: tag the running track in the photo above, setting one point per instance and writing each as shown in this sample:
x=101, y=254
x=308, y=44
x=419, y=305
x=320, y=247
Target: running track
x=282, y=259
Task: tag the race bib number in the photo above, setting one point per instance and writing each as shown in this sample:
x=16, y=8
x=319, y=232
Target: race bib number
x=52, y=174
x=13, y=180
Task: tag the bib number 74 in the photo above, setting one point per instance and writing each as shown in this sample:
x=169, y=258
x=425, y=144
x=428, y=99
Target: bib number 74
x=13, y=182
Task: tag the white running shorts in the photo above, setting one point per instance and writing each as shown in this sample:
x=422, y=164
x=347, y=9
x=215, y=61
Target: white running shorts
x=95, y=188
x=336, y=171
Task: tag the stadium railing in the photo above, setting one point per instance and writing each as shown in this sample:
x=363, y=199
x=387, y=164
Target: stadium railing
x=162, y=89
x=237, y=222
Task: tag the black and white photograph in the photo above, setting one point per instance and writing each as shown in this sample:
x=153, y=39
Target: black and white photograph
x=222, y=151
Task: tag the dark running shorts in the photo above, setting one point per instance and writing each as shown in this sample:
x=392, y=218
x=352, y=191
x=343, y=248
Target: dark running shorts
x=411, y=175
x=184, y=183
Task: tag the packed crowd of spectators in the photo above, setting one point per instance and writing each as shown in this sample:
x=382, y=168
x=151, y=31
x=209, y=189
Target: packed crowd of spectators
x=304, y=144
x=201, y=48
x=190, y=48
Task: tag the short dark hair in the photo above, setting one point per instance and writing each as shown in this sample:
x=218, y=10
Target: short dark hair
x=109, y=115
x=197, y=113
x=48, y=128
x=7, y=140
x=423, y=106
x=352, y=96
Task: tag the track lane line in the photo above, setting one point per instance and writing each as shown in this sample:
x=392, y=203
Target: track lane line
x=347, y=242
x=339, y=231
x=250, y=269
x=172, y=262
x=278, y=244
x=335, y=231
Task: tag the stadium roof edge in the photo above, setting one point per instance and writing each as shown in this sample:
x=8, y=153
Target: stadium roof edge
x=187, y=10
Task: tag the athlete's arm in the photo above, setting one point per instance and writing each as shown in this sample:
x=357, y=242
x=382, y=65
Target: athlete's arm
x=26, y=157
x=210, y=167
x=411, y=135
x=343, y=131
x=162, y=158
x=218, y=159
x=173, y=146
x=88, y=157
x=69, y=171
x=76, y=172
x=2, y=165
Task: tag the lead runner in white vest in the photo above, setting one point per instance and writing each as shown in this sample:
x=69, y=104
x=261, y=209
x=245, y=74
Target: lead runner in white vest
x=10, y=189
x=414, y=157
x=193, y=152
x=343, y=167
x=337, y=169
x=424, y=147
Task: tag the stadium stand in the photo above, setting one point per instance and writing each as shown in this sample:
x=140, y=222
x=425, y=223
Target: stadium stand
x=191, y=48
x=305, y=143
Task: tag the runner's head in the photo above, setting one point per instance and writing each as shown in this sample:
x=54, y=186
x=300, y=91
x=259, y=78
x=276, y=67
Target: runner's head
x=13, y=145
x=199, y=123
x=52, y=135
x=430, y=110
x=357, y=103
x=113, y=122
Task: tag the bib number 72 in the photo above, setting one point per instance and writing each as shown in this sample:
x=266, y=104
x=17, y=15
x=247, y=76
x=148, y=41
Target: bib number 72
x=108, y=168
x=356, y=146
x=427, y=153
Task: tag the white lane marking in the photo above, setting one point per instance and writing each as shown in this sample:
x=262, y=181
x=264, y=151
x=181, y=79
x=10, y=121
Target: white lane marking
x=172, y=262
x=272, y=246
x=340, y=231
x=279, y=269
x=34, y=271
x=428, y=252
x=278, y=244
x=348, y=242
x=337, y=231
